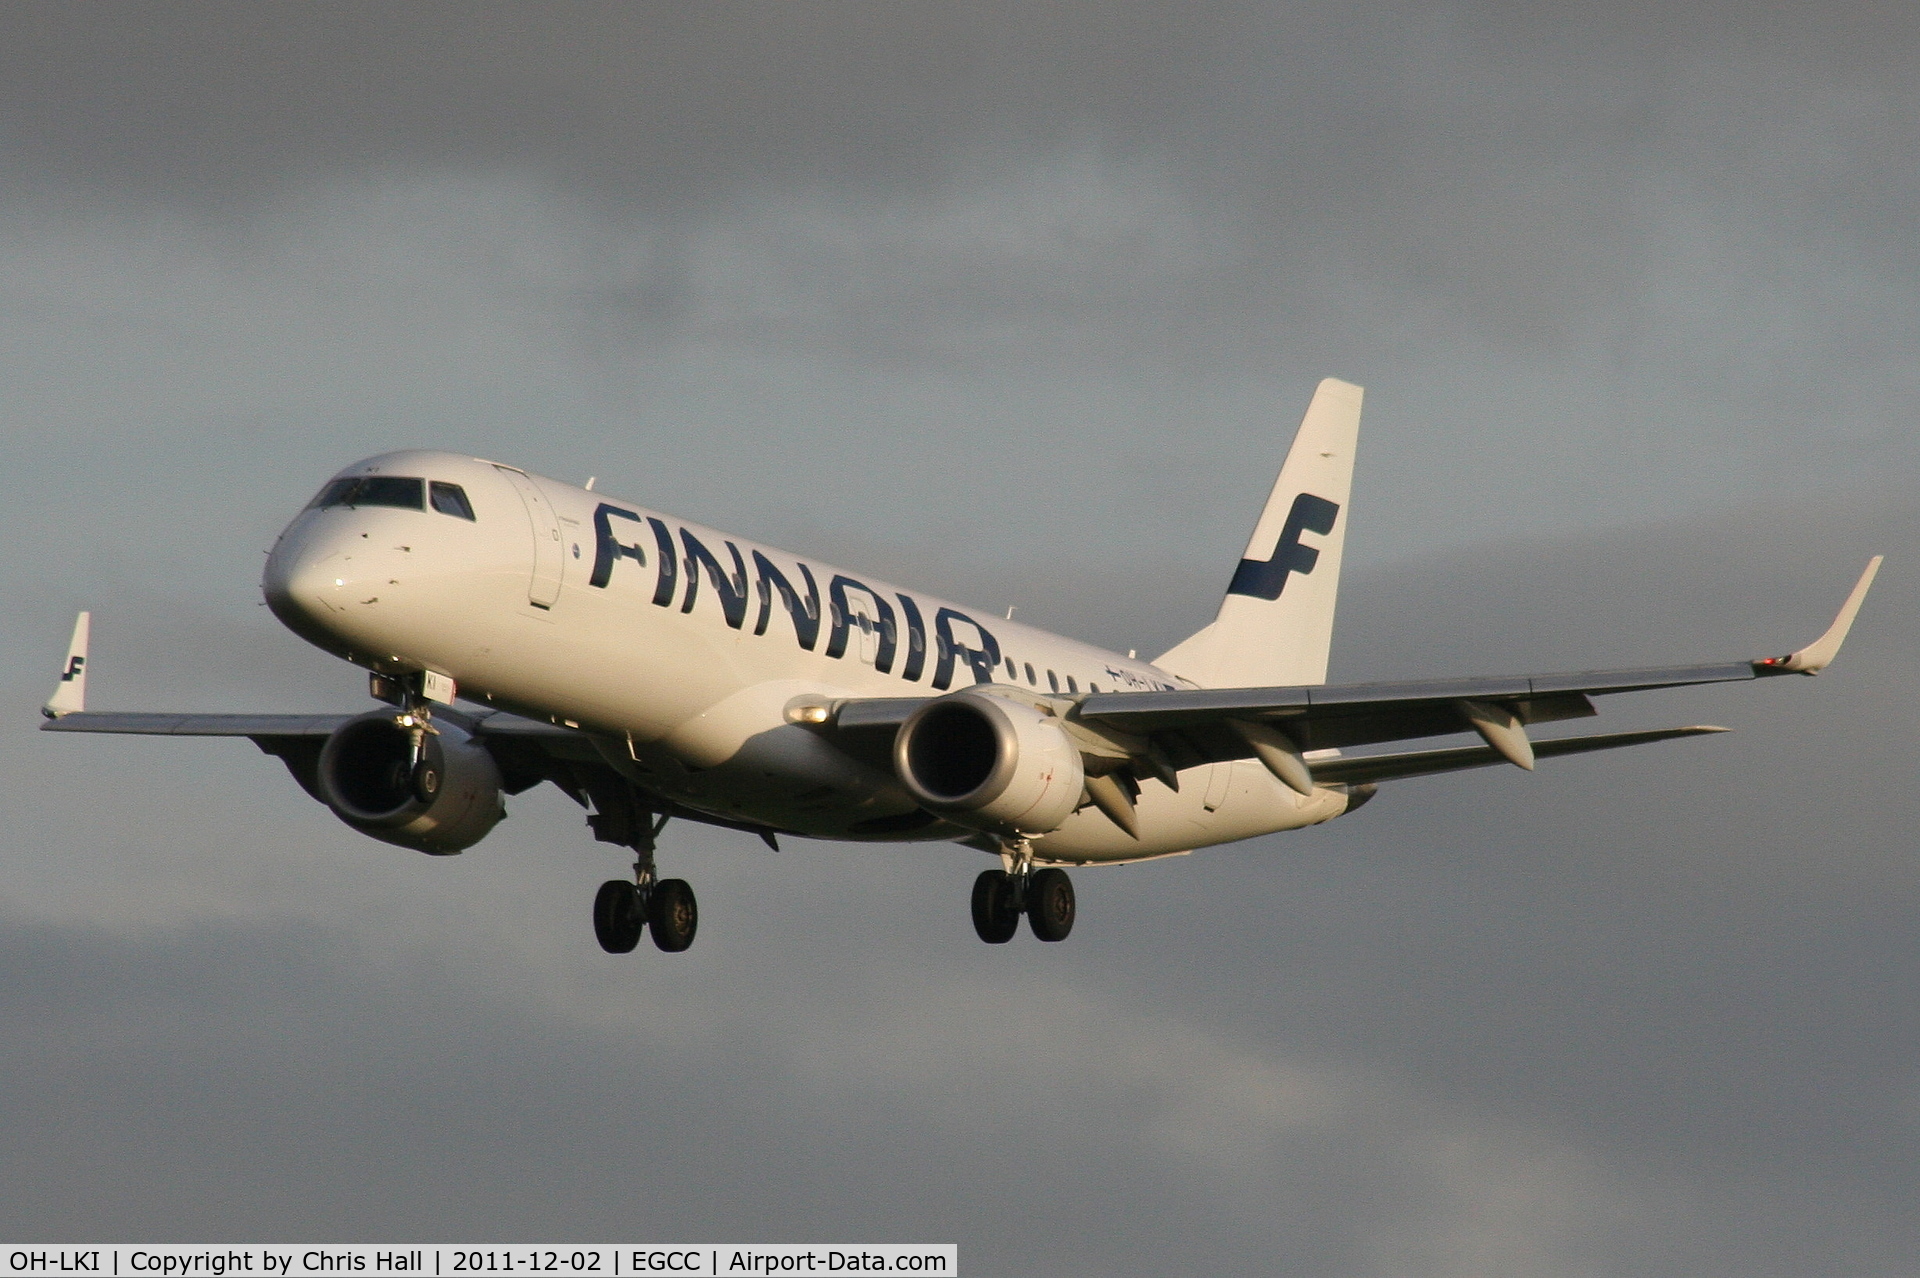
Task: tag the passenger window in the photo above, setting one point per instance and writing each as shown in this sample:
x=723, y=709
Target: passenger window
x=1030, y=679
x=375, y=490
x=1011, y=672
x=1053, y=681
x=451, y=499
x=1071, y=685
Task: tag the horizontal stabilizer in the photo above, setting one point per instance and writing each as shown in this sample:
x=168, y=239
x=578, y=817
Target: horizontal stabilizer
x=1393, y=767
x=161, y=724
x=147, y=723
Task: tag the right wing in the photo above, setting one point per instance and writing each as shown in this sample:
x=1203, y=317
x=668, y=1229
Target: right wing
x=526, y=750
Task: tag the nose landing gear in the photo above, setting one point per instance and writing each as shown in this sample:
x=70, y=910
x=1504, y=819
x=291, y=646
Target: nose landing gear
x=1000, y=897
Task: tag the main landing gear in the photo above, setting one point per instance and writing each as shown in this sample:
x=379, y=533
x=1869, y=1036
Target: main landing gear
x=622, y=910
x=665, y=907
x=1000, y=897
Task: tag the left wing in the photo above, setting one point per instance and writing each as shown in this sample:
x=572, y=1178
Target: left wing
x=1207, y=721
x=1166, y=732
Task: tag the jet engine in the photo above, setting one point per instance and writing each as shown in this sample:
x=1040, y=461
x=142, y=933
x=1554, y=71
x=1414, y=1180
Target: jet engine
x=990, y=762
x=442, y=802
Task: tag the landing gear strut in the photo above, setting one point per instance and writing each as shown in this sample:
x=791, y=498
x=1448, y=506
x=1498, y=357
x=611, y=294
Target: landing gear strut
x=1001, y=896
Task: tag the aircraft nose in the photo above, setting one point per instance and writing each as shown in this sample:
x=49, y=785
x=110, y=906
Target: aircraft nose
x=301, y=580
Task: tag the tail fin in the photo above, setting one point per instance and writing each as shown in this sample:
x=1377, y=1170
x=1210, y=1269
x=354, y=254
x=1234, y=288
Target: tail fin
x=70, y=694
x=1275, y=626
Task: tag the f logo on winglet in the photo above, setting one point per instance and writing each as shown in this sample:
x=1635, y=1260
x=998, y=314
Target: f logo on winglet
x=1266, y=579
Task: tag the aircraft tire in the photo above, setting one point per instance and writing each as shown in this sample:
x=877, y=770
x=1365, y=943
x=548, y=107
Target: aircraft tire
x=616, y=917
x=672, y=915
x=1050, y=904
x=996, y=913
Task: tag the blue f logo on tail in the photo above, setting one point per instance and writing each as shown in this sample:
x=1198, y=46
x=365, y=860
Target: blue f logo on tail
x=1265, y=580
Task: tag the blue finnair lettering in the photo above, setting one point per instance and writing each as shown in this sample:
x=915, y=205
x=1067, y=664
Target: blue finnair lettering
x=608, y=549
x=805, y=612
x=852, y=604
x=983, y=656
x=1266, y=580
x=77, y=663
x=731, y=589
x=916, y=640
x=668, y=580
x=873, y=613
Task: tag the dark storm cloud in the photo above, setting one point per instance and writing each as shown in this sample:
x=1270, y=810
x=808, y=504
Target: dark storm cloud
x=1525, y=166
x=1550, y=243
x=665, y=103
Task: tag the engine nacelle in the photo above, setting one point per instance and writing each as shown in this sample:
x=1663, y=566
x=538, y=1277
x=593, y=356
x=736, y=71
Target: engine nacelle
x=445, y=805
x=990, y=762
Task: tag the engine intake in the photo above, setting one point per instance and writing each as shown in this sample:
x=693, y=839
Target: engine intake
x=990, y=762
x=444, y=804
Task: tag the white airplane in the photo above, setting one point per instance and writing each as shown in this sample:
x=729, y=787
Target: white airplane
x=651, y=668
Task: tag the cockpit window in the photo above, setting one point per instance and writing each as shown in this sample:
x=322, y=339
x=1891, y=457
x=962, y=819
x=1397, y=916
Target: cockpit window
x=374, y=490
x=450, y=499
x=330, y=495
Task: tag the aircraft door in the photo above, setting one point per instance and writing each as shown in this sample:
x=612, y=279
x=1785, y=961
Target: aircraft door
x=543, y=590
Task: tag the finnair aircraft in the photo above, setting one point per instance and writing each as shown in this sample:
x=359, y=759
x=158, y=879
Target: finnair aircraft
x=523, y=630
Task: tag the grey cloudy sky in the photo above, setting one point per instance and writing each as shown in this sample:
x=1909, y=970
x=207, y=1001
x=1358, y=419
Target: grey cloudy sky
x=1019, y=303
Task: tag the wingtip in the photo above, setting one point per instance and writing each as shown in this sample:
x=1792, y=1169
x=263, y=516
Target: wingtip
x=1819, y=654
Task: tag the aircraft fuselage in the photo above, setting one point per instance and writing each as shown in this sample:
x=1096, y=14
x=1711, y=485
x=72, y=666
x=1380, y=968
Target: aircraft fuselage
x=682, y=652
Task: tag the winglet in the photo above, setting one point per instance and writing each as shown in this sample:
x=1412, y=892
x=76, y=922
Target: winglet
x=70, y=694
x=1817, y=655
